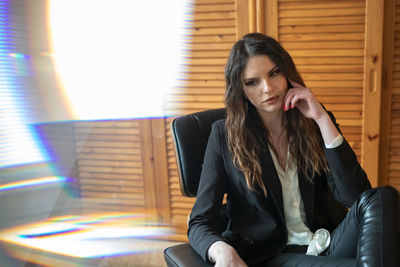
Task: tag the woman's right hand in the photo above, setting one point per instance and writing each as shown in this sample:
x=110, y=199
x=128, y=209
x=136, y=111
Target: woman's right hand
x=224, y=255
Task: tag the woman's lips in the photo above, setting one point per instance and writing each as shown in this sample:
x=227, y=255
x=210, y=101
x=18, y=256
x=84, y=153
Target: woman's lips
x=271, y=99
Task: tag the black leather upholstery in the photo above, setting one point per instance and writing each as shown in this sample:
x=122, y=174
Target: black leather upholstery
x=190, y=135
x=183, y=255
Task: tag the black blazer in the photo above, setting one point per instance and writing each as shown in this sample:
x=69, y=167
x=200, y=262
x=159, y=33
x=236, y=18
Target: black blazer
x=256, y=226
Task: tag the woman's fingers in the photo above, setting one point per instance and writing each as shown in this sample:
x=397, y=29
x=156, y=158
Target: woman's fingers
x=295, y=84
x=295, y=99
x=294, y=95
x=303, y=99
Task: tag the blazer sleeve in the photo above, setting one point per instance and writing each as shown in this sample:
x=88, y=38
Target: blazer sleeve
x=203, y=224
x=347, y=179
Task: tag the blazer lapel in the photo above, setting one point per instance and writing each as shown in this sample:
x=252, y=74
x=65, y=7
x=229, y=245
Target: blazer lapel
x=307, y=194
x=272, y=182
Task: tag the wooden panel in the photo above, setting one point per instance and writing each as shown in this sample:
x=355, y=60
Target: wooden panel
x=271, y=18
x=317, y=20
x=324, y=45
x=372, y=89
x=356, y=28
x=159, y=145
x=392, y=170
x=147, y=156
x=326, y=41
x=242, y=18
x=287, y=5
x=110, y=166
x=260, y=9
x=323, y=12
x=252, y=15
x=122, y=167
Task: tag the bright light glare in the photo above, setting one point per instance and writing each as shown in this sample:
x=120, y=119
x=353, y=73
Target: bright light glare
x=89, y=236
x=117, y=59
x=32, y=182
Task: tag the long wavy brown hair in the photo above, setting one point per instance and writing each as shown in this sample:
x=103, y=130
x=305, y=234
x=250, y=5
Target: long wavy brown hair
x=247, y=135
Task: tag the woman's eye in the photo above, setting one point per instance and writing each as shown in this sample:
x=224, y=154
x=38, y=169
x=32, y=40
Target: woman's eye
x=275, y=72
x=250, y=83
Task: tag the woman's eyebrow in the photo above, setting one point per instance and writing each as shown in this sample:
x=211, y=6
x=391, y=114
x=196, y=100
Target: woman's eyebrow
x=273, y=69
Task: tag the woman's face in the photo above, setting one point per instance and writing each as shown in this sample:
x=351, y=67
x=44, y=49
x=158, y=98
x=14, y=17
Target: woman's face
x=264, y=84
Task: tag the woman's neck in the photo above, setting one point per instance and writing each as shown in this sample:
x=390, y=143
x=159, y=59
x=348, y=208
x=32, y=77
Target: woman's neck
x=273, y=122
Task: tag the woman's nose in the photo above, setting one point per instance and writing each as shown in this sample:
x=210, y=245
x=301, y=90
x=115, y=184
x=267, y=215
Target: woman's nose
x=265, y=86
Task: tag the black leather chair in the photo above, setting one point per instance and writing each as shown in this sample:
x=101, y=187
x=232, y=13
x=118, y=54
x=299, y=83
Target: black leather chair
x=190, y=135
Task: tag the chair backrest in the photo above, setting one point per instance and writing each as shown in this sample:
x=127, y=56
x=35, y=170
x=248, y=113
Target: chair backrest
x=190, y=136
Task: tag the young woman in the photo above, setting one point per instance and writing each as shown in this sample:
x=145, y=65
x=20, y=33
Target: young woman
x=289, y=175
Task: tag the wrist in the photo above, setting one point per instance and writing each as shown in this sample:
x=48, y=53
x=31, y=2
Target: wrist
x=323, y=118
x=327, y=128
x=218, y=249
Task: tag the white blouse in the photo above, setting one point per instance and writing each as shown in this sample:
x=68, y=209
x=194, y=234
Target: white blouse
x=298, y=232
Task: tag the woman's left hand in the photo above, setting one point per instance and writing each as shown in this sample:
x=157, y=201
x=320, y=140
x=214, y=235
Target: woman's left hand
x=303, y=99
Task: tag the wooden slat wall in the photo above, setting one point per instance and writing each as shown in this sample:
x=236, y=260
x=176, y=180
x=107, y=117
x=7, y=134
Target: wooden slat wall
x=326, y=40
x=394, y=148
x=213, y=34
x=109, y=166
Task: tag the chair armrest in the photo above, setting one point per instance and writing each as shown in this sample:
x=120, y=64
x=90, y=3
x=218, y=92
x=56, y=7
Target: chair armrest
x=183, y=255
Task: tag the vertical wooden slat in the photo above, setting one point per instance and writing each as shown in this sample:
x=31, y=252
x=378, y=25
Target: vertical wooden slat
x=160, y=170
x=260, y=16
x=372, y=88
x=148, y=166
x=271, y=18
x=242, y=18
x=252, y=15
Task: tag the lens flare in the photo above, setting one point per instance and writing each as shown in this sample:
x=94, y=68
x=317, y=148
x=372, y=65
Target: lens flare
x=124, y=70
x=18, y=141
x=32, y=182
x=89, y=236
